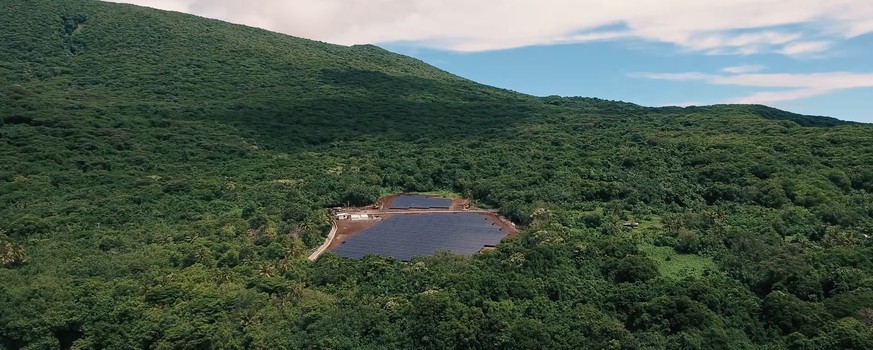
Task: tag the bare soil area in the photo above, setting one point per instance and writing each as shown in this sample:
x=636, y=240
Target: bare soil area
x=504, y=223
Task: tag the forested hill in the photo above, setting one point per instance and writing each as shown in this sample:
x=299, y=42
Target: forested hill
x=163, y=176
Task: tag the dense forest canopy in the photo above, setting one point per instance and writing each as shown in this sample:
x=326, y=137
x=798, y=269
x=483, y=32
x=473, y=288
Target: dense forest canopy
x=163, y=176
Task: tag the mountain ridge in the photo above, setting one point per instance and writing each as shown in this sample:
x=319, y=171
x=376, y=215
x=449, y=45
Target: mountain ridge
x=163, y=178
x=72, y=33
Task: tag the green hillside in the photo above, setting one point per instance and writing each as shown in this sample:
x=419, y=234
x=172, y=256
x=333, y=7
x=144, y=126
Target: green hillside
x=164, y=176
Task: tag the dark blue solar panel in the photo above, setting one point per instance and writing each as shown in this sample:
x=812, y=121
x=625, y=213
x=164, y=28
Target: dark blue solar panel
x=418, y=201
x=407, y=236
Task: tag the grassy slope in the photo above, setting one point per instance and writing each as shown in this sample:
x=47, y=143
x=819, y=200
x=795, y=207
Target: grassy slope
x=673, y=265
x=154, y=161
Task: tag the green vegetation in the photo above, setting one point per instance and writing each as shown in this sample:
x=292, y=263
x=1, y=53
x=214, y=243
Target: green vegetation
x=163, y=176
x=671, y=264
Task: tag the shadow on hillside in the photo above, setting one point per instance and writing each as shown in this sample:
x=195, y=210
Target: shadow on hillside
x=349, y=105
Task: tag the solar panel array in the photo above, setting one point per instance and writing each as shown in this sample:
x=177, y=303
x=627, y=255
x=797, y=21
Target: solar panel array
x=418, y=201
x=407, y=236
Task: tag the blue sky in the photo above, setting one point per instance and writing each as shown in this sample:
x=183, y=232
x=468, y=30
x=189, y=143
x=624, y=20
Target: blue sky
x=806, y=56
x=610, y=70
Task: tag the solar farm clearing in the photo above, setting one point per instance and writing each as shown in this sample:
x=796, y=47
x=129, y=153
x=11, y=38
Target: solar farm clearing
x=407, y=236
x=419, y=201
x=410, y=225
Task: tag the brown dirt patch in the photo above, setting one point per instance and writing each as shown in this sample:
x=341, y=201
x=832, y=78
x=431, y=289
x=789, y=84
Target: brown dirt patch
x=385, y=202
x=460, y=204
x=507, y=226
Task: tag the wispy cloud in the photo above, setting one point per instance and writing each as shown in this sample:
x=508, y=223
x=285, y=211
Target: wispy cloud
x=744, y=69
x=709, y=26
x=687, y=76
x=790, y=86
x=778, y=96
x=685, y=104
x=805, y=48
x=740, y=43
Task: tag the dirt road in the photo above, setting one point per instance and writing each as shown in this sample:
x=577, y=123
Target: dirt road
x=326, y=243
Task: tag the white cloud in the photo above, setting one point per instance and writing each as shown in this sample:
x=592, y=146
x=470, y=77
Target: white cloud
x=805, y=47
x=744, y=69
x=673, y=76
x=685, y=104
x=791, y=86
x=778, y=96
x=710, y=26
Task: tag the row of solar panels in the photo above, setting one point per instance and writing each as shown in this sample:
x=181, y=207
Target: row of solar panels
x=418, y=201
x=485, y=224
x=407, y=236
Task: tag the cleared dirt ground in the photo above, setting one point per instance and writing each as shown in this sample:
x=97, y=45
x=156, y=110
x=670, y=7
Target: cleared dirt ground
x=504, y=223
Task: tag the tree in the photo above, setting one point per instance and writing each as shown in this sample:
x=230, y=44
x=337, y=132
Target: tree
x=790, y=314
x=11, y=254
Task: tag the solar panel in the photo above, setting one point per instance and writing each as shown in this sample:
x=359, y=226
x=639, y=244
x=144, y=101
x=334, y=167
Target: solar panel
x=418, y=201
x=407, y=236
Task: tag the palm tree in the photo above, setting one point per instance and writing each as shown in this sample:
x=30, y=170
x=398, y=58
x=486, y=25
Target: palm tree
x=267, y=270
x=11, y=254
x=222, y=276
